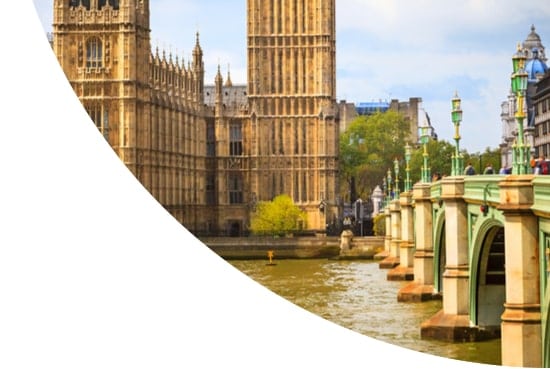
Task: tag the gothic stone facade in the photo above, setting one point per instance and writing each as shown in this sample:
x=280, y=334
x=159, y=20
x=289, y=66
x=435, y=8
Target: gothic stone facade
x=208, y=154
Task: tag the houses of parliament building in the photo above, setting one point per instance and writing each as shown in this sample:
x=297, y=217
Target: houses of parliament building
x=210, y=153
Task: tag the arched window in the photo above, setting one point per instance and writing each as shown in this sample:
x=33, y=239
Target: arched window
x=114, y=3
x=84, y=3
x=94, y=53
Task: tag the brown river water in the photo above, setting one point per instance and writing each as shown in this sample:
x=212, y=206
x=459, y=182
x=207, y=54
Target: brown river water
x=358, y=296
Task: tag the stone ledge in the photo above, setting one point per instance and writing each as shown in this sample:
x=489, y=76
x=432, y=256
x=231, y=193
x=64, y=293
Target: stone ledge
x=415, y=292
x=400, y=273
x=455, y=328
x=389, y=262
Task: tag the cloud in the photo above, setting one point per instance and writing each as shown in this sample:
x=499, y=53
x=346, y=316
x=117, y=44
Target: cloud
x=385, y=49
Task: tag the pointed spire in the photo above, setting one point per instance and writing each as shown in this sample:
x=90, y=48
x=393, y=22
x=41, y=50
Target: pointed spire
x=197, y=41
x=219, y=78
x=228, y=82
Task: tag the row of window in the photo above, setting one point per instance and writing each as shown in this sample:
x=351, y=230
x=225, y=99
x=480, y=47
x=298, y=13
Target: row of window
x=277, y=139
x=543, y=106
x=100, y=3
x=279, y=184
x=542, y=129
x=100, y=116
x=277, y=16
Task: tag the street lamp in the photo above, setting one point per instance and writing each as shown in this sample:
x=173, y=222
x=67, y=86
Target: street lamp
x=456, y=116
x=424, y=138
x=519, y=87
x=407, y=168
x=388, y=181
x=396, y=170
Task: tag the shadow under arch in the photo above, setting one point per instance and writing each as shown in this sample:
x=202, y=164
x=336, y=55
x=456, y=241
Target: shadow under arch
x=544, y=261
x=545, y=320
x=439, y=259
x=487, y=277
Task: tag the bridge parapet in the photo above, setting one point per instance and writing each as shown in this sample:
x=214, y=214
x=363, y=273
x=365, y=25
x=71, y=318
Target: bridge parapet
x=482, y=189
x=541, y=196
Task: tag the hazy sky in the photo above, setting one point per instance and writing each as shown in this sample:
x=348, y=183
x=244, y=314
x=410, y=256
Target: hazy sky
x=386, y=49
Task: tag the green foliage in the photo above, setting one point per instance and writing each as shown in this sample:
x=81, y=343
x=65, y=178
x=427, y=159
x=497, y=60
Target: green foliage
x=277, y=218
x=440, y=155
x=370, y=145
x=368, y=148
x=480, y=160
x=379, y=225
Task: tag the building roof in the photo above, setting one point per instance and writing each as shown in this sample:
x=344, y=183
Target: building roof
x=234, y=96
x=533, y=42
x=366, y=108
x=535, y=67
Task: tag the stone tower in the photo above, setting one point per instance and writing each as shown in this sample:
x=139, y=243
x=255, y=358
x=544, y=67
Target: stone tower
x=103, y=47
x=293, y=115
x=148, y=106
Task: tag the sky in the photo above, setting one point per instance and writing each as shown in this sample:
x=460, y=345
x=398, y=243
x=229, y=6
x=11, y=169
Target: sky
x=386, y=49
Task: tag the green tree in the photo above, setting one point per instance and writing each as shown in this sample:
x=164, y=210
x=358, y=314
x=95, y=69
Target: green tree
x=440, y=155
x=480, y=160
x=278, y=217
x=367, y=150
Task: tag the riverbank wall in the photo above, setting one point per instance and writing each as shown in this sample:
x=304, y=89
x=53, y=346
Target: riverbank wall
x=322, y=247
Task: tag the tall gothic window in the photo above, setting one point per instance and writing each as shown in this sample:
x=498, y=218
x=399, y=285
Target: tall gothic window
x=210, y=139
x=100, y=116
x=235, y=139
x=235, y=189
x=94, y=53
x=210, y=190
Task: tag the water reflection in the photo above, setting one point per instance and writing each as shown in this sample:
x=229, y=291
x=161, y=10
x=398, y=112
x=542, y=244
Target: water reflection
x=357, y=295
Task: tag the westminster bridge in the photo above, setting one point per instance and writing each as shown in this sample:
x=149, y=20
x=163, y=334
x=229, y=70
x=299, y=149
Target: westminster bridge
x=482, y=244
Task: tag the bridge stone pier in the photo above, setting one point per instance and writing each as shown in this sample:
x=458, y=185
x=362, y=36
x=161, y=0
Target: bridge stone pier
x=392, y=259
x=481, y=244
x=422, y=288
x=405, y=245
x=387, y=238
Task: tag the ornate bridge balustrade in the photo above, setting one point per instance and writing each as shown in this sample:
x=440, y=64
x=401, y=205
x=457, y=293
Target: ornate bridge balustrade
x=482, y=244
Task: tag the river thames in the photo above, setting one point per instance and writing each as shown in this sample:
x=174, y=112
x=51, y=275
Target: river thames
x=357, y=295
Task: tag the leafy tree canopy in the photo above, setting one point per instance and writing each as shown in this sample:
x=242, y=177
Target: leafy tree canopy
x=370, y=145
x=368, y=148
x=278, y=217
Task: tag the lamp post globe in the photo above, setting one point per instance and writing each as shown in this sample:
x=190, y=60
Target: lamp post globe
x=457, y=166
x=519, y=80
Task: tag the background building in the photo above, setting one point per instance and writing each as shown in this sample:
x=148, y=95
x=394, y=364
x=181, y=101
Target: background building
x=208, y=154
x=535, y=67
x=412, y=110
x=541, y=105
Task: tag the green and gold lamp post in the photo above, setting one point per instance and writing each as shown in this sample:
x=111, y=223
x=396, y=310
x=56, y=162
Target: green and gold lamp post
x=396, y=170
x=389, y=183
x=456, y=115
x=520, y=150
x=407, y=186
x=424, y=139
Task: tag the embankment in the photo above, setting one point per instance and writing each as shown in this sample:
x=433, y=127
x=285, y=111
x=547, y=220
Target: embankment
x=248, y=248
